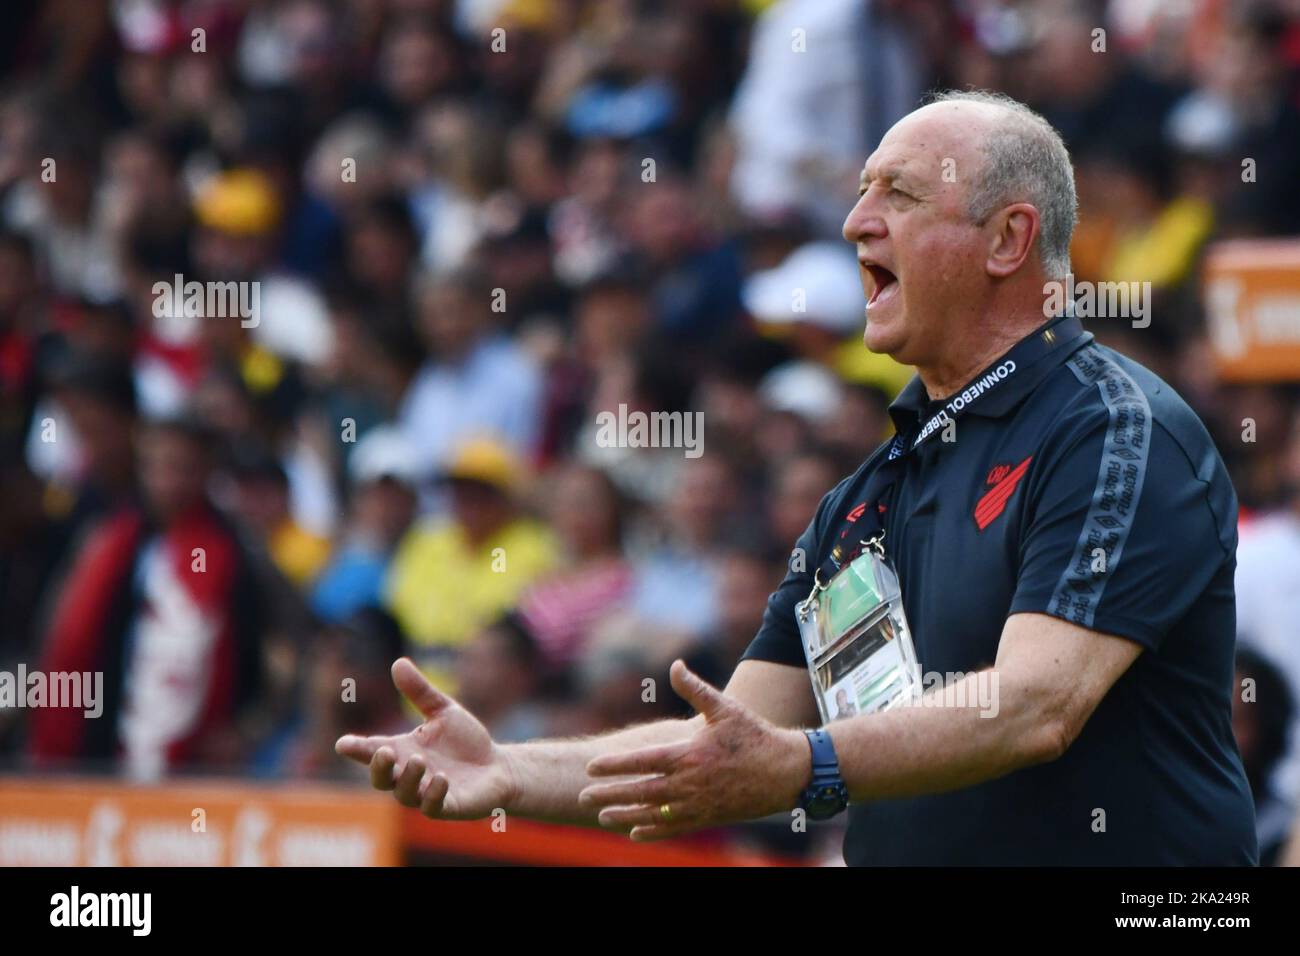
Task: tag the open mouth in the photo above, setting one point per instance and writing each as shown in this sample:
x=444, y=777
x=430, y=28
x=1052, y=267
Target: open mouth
x=885, y=284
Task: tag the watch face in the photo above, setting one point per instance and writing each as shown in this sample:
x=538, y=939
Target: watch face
x=826, y=802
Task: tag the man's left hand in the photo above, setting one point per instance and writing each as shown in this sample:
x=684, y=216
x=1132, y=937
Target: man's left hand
x=736, y=767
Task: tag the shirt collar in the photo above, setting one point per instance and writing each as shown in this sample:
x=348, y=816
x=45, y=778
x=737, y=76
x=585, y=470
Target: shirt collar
x=913, y=402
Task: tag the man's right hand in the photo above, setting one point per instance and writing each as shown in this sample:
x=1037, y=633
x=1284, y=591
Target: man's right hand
x=448, y=766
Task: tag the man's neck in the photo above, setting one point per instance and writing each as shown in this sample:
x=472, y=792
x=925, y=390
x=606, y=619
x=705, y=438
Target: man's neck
x=967, y=356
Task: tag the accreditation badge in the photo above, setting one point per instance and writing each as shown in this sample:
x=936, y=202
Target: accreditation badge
x=856, y=640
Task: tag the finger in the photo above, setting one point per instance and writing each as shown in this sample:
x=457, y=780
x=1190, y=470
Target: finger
x=627, y=818
x=435, y=795
x=697, y=692
x=381, y=768
x=416, y=688
x=648, y=760
x=649, y=834
x=407, y=790
x=360, y=749
x=629, y=793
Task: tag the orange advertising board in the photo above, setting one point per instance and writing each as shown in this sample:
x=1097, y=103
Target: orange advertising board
x=97, y=823
x=1252, y=302
x=528, y=843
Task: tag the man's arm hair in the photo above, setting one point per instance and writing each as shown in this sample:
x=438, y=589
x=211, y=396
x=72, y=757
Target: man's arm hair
x=1051, y=675
x=548, y=775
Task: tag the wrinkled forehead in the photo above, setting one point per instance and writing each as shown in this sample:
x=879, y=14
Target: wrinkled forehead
x=934, y=145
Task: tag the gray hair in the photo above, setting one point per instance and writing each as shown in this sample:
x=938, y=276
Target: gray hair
x=1025, y=161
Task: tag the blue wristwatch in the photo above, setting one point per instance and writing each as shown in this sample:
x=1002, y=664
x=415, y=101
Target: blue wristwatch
x=826, y=795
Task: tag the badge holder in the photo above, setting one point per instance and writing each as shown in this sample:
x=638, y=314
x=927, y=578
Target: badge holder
x=856, y=640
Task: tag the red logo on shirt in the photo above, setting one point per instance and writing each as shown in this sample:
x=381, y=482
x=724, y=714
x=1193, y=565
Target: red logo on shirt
x=1003, y=480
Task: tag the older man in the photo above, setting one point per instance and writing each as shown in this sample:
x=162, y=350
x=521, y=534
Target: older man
x=1055, y=512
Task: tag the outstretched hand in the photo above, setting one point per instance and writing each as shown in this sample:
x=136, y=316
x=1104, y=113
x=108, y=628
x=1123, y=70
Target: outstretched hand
x=736, y=767
x=449, y=767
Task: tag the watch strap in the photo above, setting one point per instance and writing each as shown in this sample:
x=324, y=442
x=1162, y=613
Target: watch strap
x=826, y=793
x=823, y=753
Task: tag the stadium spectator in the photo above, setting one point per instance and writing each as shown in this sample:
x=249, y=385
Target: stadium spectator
x=674, y=564
x=594, y=577
x=161, y=601
x=20, y=304
x=97, y=395
x=477, y=382
x=744, y=582
x=383, y=501
x=798, y=484
x=1263, y=709
x=345, y=681
x=451, y=575
x=804, y=121
x=500, y=669
x=261, y=506
x=1268, y=607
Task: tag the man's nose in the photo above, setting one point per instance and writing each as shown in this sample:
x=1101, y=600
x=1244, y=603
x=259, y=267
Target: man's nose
x=864, y=221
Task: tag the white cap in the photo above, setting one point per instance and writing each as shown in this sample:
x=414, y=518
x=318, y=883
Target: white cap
x=827, y=275
x=806, y=389
x=1202, y=124
x=384, y=452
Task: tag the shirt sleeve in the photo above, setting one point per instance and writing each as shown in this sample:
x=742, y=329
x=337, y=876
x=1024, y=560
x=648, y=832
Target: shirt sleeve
x=1124, y=531
x=778, y=639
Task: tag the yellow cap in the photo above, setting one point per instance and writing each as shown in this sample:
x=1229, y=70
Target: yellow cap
x=239, y=201
x=486, y=461
x=529, y=14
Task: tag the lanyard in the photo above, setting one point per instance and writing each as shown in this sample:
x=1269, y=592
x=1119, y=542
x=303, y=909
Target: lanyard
x=865, y=518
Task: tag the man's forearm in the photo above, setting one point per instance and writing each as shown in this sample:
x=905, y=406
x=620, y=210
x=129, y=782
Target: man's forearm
x=1027, y=709
x=548, y=775
x=930, y=747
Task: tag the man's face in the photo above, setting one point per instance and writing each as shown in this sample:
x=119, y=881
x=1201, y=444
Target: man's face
x=106, y=432
x=173, y=472
x=478, y=508
x=610, y=321
x=451, y=319
x=385, y=507
x=920, y=256
x=583, y=511
x=489, y=678
x=743, y=588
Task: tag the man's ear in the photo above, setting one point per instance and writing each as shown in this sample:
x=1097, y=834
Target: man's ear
x=1015, y=232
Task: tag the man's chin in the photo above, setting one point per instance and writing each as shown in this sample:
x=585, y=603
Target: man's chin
x=884, y=338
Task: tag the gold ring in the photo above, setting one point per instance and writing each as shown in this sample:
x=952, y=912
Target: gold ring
x=666, y=812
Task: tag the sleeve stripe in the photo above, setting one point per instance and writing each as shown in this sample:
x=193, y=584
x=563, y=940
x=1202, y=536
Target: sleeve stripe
x=1115, y=498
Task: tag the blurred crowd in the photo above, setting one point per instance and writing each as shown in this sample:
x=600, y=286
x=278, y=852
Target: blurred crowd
x=471, y=227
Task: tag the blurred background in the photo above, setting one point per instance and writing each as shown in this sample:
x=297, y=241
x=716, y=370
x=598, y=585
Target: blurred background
x=474, y=225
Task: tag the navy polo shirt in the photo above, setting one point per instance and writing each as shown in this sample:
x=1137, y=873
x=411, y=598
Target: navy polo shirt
x=1081, y=454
